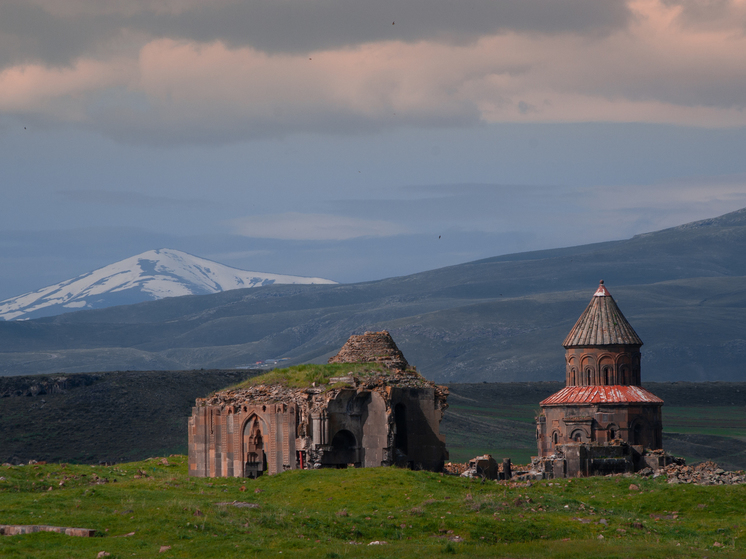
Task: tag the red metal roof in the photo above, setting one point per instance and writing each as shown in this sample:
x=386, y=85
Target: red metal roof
x=615, y=394
x=602, y=323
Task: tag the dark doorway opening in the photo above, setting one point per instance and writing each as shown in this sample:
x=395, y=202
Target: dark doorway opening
x=637, y=434
x=344, y=450
x=400, y=439
x=343, y=440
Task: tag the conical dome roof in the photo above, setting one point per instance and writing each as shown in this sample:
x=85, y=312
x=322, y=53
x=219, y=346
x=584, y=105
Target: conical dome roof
x=372, y=347
x=602, y=323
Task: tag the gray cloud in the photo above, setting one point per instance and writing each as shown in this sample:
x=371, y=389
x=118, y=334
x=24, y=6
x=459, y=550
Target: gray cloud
x=130, y=199
x=29, y=32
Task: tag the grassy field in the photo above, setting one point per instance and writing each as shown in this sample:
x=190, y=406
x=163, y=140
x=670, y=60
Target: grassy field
x=707, y=420
x=338, y=513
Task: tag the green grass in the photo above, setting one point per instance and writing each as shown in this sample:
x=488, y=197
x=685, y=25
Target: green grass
x=320, y=513
x=303, y=376
x=722, y=421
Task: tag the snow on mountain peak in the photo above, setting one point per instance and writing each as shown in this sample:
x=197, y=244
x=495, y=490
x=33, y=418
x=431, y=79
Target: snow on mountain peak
x=154, y=274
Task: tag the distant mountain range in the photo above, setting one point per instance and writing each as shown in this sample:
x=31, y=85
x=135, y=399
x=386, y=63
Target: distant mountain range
x=683, y=290
x=152, y=275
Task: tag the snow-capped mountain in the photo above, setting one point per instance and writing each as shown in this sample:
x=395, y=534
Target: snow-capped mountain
x=154, y=274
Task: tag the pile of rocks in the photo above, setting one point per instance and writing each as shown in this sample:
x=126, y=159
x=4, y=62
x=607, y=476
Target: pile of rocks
x=706, y=473
x=451, y=469
x=372, y=347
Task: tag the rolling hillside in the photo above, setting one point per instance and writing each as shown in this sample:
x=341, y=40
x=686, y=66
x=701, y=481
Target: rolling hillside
x=501, y=319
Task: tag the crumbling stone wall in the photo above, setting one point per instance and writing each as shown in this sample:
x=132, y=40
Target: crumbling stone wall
x=392, y=417
x=598, y=459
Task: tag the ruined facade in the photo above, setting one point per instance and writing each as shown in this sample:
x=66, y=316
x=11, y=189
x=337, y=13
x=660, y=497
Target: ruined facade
x=602, y=404
x=388, y=416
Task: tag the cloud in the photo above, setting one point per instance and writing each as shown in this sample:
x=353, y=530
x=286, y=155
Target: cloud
x=313, y=227
x=165, y=72
x=58, y=31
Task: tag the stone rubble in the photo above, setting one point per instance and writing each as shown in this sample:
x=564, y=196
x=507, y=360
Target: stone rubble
x=705, y=473
x=16, y=529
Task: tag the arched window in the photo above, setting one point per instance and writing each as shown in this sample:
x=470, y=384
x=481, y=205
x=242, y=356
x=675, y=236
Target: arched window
x=613, y=431
x=556, y=438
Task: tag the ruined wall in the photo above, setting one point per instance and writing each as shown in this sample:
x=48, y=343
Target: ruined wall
x=375, y=420
x=423, y=447
x=219, y=439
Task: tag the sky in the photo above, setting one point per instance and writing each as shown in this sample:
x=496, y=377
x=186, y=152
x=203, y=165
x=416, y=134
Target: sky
x=358, y=140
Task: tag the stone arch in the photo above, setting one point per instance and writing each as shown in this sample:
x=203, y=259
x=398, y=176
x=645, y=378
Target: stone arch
x=624, y=369
x=606, y=370
x=253, y=446
x=572, y=368
x=344, y=440
x=612, y=431
x=637, y=432
x=343, y=449
x=578, y=436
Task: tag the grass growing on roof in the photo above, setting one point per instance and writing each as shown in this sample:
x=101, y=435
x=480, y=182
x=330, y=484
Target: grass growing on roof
x=303, y=376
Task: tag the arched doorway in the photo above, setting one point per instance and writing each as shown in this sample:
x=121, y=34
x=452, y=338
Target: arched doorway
x=344, y=446
x=255, y=460
x=637, y=433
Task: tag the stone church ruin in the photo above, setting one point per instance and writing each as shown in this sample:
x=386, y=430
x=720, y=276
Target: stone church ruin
x=603, y=421
x=378, y=411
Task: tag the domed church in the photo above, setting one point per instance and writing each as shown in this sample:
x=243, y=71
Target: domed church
x=602, y=402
